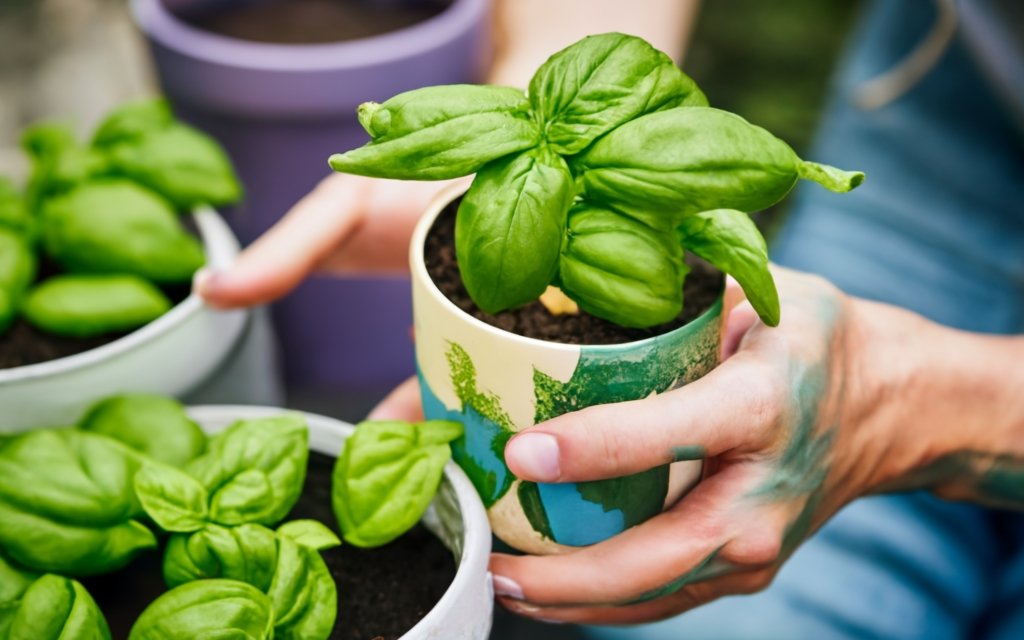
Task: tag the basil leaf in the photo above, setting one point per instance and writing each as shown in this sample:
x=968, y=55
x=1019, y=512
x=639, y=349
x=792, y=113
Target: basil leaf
x=172, y=498
x=59, y=163
x=510, y=226
x=303, y=593
x=133, y=120
x=729, y=239
x=601, y=82
x=207, y=609
x=151, y=424
x=115, y=226
x=686, y=160
x=14, y=213
x=621, y=270
x=13, y=581
x=386, y=477
x=56, y=608
x=79, y=306
x=247, y=552
x=309, y=533
x=67, y=504
x=255, y=469
x=436, y=133
x=18, y=266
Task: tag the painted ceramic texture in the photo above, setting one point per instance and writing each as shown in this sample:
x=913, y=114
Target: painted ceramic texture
x=455, y=516
x=497, y=383
x=171, y=355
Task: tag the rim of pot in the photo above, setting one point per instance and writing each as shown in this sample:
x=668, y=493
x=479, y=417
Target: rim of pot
x=325, y=433
x=418, y=267
x=220, y=247
x=162, y=25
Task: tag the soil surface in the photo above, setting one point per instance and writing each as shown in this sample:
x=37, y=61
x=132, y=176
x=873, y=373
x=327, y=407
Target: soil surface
x=315, y=21
x=23, y=344
x=382, y=593
x=533, y=320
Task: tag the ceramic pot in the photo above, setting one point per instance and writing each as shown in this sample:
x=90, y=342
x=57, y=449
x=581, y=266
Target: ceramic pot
x=280, y=111
x=456, y=517
x=497, y=383
x=171, y=355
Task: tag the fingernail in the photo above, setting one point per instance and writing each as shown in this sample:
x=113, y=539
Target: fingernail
x=507, y=587
x=204, y=281
x=536, y=456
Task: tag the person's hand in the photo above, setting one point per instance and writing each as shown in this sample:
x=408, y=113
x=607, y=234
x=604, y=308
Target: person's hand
x=347, y=224
x=788, y=426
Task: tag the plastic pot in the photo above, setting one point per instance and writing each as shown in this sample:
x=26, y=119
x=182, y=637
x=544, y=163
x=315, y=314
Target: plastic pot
x=280, y=111
x=456, y=516
x=497, y=383
x=170, y=356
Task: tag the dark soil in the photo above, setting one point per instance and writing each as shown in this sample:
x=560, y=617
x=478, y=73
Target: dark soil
x=382, y=593
x=533, y=320
x=23, y=344
x=314, y=21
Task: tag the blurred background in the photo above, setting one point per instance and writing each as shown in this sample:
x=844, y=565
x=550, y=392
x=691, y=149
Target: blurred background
x=73, y=60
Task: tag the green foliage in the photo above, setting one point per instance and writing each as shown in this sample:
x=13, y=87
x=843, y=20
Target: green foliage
x=80, y=306
x=144, y=142
x=117, y=226
x=18, y=266
x=59, y=162
x=309, y=533
x=67, y=503
x=14, y=213
x=151, y=424
x=54, y=608
x=247, y=552
x=386, y=477
x=207, y=609
x=642, y=147
x=172, y=498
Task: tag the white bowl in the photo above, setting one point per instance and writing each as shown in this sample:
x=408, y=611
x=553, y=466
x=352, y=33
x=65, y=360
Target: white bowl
x=456, y=517
x=170, y=355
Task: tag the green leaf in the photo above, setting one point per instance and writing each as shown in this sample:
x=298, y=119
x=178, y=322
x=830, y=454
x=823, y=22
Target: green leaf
x=682, y=161
x=601, y=82
x=14, y=213
x=116, y=226
x=172, y=498
x=730, y=241
x=621, y=270
x=18, y=267
x=510, y=226
x=247, y=552
x=255, y=469
x=67, y=503
x=207, y=609
x=303, y=594
x=386, y=477
x=309, y=533
x=14, y=581
x=59, y=163
x=830, y=177
x=80, y=306
x=56, y=608
x=151, y=424
x=436, y=133
x=133, y=120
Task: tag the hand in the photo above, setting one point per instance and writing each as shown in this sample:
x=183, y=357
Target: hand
x=793, y=425
x=347, y=224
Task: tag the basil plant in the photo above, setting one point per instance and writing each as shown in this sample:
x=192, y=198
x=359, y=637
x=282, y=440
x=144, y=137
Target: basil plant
x=597, y=179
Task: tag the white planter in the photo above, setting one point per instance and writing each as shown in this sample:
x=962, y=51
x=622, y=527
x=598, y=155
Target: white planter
x=497, y=383
x=170, y=355
x=456, y=516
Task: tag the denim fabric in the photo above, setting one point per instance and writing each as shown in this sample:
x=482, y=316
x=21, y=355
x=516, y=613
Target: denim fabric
x=938, y=227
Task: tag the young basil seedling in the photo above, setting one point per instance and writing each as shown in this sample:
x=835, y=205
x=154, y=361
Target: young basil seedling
x=623, y=133
x=386, y=476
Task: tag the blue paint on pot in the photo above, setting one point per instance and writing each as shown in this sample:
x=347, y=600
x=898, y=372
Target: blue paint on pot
x=480, y=451
x=576, y=521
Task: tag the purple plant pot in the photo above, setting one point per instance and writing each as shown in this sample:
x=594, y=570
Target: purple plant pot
x=281, y=110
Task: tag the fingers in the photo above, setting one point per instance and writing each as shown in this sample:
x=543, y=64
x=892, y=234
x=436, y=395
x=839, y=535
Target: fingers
x=709, y=532
x=733, y=407
x=403, y=403
x=288, y=252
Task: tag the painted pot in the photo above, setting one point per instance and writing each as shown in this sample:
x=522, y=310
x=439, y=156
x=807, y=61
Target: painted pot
x=456, y=517
x=280, y=111
x=171, y=355
x=497, y=383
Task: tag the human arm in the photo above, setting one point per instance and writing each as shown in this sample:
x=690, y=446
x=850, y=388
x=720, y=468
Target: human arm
x=351, y=224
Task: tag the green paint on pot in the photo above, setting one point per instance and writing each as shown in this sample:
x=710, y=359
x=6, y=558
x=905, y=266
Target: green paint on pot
x=703, y=571
x=639, y=497
x=1003, y=483
x=463, y=373
x=688, y=452
x=533, y=507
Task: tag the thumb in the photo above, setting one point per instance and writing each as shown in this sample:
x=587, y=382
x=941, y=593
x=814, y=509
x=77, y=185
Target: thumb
x=726, y=409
